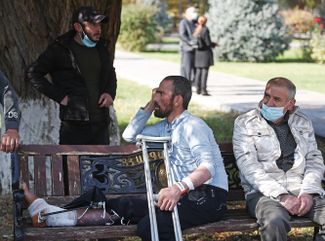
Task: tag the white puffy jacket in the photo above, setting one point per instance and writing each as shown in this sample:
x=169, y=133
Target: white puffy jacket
x=257, y=148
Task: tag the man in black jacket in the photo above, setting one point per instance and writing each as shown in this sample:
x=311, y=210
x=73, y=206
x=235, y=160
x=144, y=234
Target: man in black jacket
x=83, y=79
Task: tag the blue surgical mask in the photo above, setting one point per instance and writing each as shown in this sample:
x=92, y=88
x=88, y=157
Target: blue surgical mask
x=87, y=41
x=272, y=113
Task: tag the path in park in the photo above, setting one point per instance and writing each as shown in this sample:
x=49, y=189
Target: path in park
x=228, y=92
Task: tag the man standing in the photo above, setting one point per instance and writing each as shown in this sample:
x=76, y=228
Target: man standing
x=195, y=159
x=281, y=168
x=12, y=114
x=83, y=79
x=186, y=29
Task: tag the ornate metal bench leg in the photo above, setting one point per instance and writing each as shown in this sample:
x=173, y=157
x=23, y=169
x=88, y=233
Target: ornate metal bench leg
x=18, y=197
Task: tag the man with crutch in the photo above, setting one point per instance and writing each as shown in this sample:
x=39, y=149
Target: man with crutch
x=200, y=191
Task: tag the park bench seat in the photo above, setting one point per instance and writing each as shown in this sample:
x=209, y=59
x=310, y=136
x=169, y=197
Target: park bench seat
x=60, y=173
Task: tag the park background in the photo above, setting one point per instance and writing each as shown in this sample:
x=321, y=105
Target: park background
x=288, y=40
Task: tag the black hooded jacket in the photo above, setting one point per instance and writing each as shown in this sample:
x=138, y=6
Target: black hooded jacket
x=65, y=77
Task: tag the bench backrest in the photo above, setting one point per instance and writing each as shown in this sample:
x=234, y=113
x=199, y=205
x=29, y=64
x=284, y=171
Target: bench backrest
x=68, y=170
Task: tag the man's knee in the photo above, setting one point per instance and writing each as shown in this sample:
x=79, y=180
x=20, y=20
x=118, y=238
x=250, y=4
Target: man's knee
x=276, y=223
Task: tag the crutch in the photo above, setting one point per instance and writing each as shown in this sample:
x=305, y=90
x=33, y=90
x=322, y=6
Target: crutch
x=150, y=196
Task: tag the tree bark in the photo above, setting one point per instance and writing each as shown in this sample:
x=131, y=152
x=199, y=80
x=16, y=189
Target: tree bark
x=27, y=27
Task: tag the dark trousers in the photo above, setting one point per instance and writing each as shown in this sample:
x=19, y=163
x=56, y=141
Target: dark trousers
x=203, y=205
x=201, y=78
x=187, y=65
x=84, y=133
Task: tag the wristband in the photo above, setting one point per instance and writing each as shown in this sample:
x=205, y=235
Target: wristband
x=181, y=187
x=188, y=182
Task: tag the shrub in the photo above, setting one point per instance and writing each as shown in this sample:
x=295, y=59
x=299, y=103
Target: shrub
x=138, y=26
x=298, y=20
x=161, y=15
x=317, y=44
x=247, y=30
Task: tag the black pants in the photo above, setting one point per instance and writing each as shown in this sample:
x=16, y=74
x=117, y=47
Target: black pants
x=201, y=78
x=203, y=205
x=84, y=133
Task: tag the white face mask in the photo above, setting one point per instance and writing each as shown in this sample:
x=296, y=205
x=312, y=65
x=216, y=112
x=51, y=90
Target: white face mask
x=194, y=16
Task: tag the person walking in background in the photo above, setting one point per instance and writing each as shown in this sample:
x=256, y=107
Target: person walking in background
x=188, y=45
x=203, y=55
x=12, y=114
x=83, y=79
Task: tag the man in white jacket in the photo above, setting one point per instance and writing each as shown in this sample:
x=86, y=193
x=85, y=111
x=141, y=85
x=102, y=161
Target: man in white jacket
x=280, y=166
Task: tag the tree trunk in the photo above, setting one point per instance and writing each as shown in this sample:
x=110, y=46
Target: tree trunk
x=27, y=27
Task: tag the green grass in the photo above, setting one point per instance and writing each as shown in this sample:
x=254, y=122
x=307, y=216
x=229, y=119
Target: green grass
x=308, y=76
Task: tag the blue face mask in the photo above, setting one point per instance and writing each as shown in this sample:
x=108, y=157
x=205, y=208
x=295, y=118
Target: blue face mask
x=87, y=41
x=272, y=113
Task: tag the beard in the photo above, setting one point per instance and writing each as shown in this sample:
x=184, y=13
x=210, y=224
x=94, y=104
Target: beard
x=162, y=113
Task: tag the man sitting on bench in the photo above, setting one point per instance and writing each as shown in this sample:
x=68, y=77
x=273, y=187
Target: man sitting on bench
x=281, y=168
x=195, y=160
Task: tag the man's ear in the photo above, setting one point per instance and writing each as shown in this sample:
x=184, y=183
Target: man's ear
x=291, y=105
x=77, y=27
x=178, y=100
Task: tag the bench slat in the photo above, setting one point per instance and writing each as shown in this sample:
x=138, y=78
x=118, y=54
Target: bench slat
x=40, y=175
x=117, y=231
x=57, y=175
x=24, y=171
x=73, y=175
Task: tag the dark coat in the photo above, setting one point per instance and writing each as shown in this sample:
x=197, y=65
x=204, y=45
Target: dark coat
x=186, y=29
x=204, y=54
x=59, y=62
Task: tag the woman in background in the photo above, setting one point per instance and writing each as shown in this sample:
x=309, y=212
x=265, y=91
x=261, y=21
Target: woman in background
x=203, y=55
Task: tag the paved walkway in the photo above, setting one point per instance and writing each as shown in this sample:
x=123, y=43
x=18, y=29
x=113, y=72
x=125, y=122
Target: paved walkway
x=228, y=92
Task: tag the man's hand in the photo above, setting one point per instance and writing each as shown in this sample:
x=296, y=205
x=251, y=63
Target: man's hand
x=10, y=140
x=64, y=101
x=168, y=198
x=306, y=202
x=105, y=100
x=150, y=106
x=291, y=203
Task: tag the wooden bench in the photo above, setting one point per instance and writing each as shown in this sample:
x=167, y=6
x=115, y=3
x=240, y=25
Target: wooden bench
x=60, y=173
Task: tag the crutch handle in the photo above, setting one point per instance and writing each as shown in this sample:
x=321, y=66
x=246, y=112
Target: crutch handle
x=160, y=139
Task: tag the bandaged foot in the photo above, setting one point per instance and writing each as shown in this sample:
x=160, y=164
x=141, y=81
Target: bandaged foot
x=38, y=208
x=43, y=215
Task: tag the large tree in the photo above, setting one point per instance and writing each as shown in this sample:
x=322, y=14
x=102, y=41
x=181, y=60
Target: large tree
x=26, y=29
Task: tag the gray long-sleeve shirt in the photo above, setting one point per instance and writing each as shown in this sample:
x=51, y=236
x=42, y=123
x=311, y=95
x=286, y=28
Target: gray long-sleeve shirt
x=9, y=101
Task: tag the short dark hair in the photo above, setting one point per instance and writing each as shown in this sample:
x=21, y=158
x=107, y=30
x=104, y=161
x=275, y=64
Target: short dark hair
x=182, y=87
x=284, y=82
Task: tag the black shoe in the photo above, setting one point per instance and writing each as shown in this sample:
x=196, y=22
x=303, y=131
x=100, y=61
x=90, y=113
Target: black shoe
x=198, y=92
x=205, y=93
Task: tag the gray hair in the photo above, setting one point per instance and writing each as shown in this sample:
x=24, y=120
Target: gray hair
x=284, y=82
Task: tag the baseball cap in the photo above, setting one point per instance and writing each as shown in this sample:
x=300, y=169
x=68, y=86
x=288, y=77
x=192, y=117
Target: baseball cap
x=88, y=14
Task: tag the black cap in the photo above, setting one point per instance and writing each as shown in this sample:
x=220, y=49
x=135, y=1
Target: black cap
x=87, y=14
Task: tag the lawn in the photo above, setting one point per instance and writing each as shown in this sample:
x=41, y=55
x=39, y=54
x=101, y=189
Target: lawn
x=305, y=75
